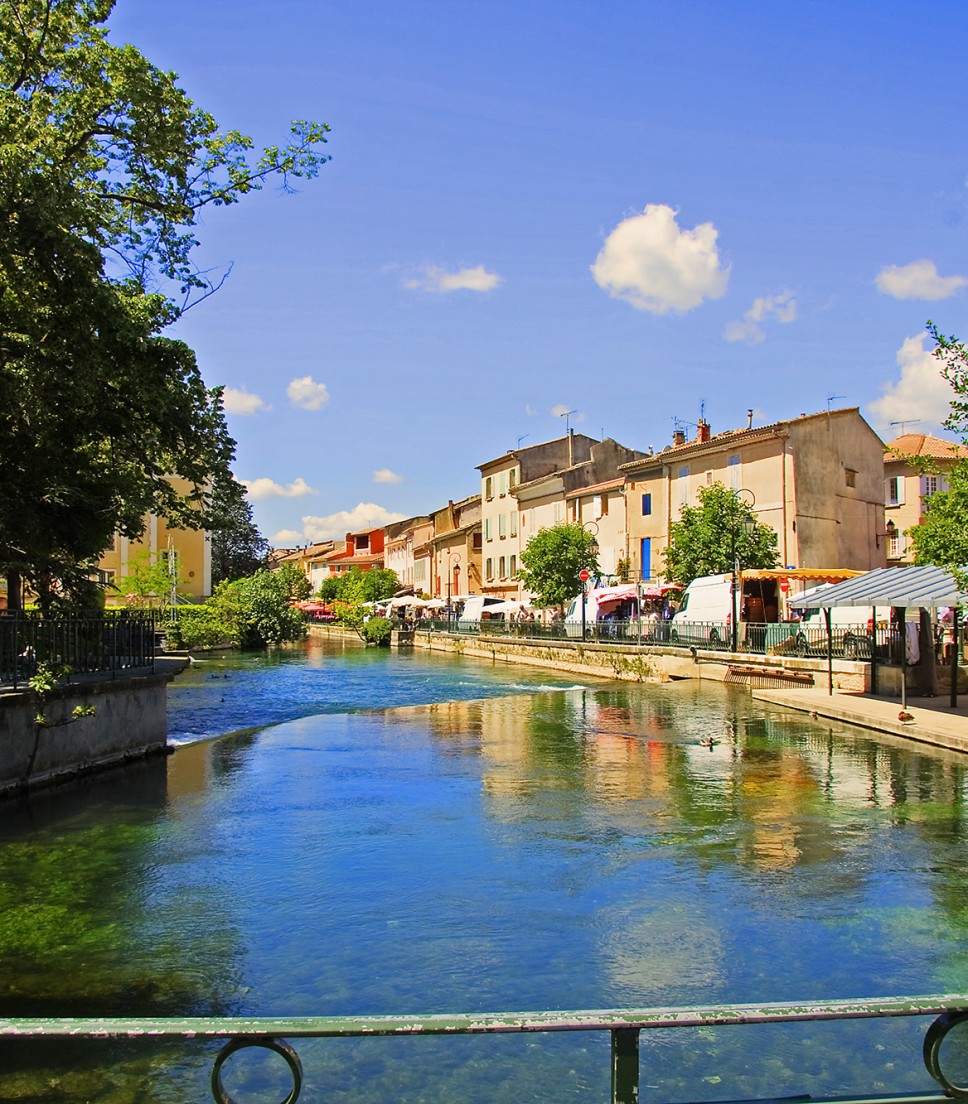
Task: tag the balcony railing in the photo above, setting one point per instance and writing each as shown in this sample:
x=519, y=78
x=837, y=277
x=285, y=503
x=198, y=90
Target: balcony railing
x=624, y=1026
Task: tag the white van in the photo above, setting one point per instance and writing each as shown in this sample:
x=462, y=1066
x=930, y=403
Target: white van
x=850, y=634
x=705, y=612
x=600, y=604
x=470, y=615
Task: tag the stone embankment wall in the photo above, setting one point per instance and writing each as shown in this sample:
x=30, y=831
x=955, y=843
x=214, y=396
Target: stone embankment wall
x=632, y=664
x=128, y=723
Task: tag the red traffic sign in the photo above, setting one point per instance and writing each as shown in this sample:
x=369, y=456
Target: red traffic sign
x=583, y=575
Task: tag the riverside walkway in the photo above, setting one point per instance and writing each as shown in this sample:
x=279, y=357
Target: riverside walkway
x=933, y=719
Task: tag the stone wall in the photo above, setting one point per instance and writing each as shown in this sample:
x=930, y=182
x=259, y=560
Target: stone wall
x=128, y=723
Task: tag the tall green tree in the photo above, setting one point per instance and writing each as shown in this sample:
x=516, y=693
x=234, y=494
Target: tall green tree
x=941, y=538
x=552, y=561
x=105, y=165
x=708, y=538
x=238, y=548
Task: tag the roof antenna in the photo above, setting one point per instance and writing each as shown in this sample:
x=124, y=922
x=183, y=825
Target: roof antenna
x=833, y=398
x=522, y=437
x=907, y=422
x=566, y=414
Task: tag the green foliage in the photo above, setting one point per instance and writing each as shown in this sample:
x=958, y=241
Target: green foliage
x=377, y=630
x=238, y=548
x=149, y=579
x=201, y=626
x=105, y=166
x=357, y=585
x=294, y=582
x=708, y=538
x=552, y=561
x=941, y=538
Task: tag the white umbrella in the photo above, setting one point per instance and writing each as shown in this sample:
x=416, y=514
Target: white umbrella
x=434, y=603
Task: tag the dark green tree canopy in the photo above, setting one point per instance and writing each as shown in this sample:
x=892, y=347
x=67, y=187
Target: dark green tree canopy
x=552, y=561
x=238, y=548
x=105, y=164
x=707, y=539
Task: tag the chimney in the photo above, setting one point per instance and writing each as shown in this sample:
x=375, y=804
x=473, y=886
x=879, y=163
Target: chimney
x=571, y=448
x=679, y=437
x=749, y=419
x=703, y=431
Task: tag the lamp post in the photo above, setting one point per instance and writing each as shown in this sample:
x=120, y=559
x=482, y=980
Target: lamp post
x=452, y=557
x=746, y=523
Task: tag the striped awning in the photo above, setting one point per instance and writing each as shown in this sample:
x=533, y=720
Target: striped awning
x=923, y=587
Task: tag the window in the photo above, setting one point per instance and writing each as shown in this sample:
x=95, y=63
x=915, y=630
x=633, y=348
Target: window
x=488, y=568
x=683, y=486
x=512, y=478
x=501, y=526
x=487, y=528
x=894, y=491
x=513, y=566
x=362, y=542
x=513, y=518
x=489, y=488
x=646, y=505
x=604, y=506
x=596, y=506
x=735, y=473
x=557, y=513
x=501, y=564
x=502, y=484
x=895, y=546
x=850, y=476
x=931, y=484
x=478, y=543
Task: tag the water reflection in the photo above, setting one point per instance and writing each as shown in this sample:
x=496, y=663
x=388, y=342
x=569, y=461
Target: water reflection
x=517, y=848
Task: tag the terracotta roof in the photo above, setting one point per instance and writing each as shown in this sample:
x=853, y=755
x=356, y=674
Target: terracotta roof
x=923, y=444
x=608, y=485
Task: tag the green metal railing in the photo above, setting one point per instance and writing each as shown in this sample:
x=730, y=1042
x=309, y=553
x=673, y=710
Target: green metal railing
x=624, y=1026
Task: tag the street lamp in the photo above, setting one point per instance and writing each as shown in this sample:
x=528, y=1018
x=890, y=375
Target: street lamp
x=746, y=524
x=455, y=558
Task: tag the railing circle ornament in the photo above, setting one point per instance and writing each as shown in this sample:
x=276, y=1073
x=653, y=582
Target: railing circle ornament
x=933, y=1039
x=278, y=1046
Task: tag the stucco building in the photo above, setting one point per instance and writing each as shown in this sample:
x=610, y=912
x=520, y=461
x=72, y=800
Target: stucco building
x=907, y=488
x=816, y=479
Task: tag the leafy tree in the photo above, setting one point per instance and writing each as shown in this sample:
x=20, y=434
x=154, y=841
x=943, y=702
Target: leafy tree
x=941, y=538
x=105, y=165
x=238, y=548
x=149, y=579
x=552, y=561
x=708, y=538
x=294, y=582
x=357, y=585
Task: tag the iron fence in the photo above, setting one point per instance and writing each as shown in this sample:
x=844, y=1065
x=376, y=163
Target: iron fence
x=942, y=1056
x=75, y=644
x=857, y=642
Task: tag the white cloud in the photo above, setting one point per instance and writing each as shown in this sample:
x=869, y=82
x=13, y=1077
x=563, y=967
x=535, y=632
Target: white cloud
x=286, y=538
x=652, y=264
x=781, y=307
x=434, y=278
x=917, y=280
x=268, y=488
x=529, y=410
x=559, y=410
x=306, y=393
x=921, y=394
x=384, y=475
x=237, y=400
x=365, y=515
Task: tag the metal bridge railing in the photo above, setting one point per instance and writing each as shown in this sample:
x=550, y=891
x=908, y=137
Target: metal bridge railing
x=624, y=1027
x=103, y=644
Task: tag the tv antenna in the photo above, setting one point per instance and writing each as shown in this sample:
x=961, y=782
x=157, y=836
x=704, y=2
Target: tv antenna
x=566, y=414
x=522, y=438
x=907, y=422
x=833, y=398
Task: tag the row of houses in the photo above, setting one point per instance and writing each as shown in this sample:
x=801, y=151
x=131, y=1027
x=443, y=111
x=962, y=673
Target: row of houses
x=835, y=494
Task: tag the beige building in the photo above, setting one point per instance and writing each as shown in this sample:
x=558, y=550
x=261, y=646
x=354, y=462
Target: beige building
x=500, y=478
x=399, y=548
x=457, y=543
x=906, y=489
x=816, y=479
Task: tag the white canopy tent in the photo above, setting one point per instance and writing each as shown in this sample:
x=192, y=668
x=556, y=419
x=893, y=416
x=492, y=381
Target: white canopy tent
x=904, y=587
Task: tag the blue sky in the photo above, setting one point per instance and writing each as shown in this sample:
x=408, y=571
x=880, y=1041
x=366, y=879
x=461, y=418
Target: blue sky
x=635, y=211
